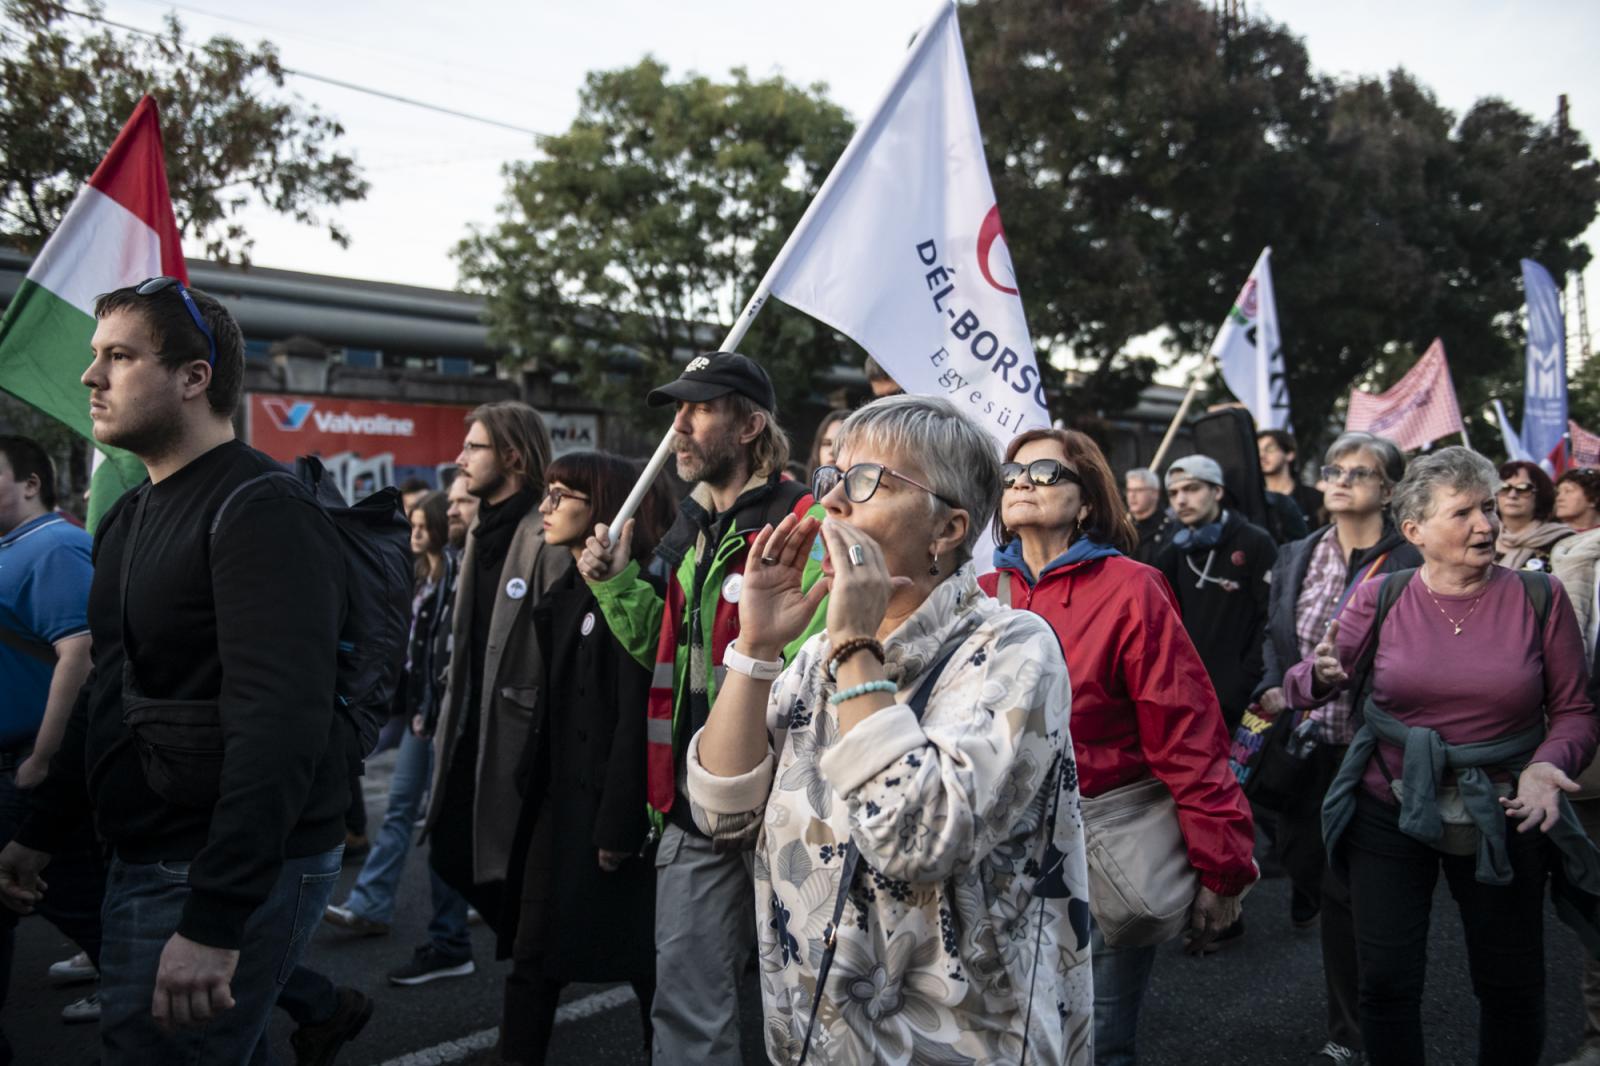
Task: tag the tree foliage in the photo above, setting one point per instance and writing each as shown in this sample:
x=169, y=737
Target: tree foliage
x=640, y=230
x=1148, y=156
x=67, y=86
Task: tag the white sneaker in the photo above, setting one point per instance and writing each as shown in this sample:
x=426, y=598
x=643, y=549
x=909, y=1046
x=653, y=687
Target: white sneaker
x=1586, y=1056
x=74, y=970
x=86, y=1009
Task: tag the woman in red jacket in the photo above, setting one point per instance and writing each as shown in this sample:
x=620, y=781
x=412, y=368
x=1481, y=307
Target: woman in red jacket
x=1141, y=700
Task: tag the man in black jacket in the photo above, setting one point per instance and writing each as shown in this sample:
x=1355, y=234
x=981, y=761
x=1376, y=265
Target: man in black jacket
x=225, y=829
x=1219, y=566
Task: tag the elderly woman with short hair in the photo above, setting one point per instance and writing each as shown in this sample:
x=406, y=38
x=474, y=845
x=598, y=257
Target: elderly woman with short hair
x=1471, y=681
x=908, y=781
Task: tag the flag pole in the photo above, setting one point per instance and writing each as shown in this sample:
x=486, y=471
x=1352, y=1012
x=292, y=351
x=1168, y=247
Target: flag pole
x=1183, y=409
x=758, y=298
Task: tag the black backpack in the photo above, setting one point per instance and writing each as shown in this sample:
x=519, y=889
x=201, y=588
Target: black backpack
x=375, y=541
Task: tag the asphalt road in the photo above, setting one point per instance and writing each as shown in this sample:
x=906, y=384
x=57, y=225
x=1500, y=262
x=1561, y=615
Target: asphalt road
x=1259, y=1003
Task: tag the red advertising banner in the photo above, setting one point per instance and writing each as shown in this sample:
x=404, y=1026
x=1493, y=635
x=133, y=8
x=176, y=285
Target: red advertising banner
x=366, y=444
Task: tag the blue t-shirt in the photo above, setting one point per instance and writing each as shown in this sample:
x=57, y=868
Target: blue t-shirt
x=45, y=570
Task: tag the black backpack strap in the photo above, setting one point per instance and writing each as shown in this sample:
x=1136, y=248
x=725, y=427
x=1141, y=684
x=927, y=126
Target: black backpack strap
x=1536, y=583
x=852, y=861
x=136, y=522
x=39, y=650
x=216, y=519
x=1394, y=583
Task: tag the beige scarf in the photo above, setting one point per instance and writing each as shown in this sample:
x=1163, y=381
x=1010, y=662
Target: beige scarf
x=1513, y=550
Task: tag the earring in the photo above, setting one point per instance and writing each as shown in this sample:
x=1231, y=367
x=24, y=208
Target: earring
x=933, y=571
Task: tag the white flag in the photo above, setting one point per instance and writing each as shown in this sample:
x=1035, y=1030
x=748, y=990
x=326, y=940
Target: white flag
x=1250, y=352
x=903, y=251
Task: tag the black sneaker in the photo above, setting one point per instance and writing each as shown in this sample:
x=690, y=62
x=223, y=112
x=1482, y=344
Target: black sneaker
x=1333, y=1054
x=318, y=1045
x=428, y=964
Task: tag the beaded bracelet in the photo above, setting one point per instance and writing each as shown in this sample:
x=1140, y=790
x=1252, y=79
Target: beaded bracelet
x=830, y=669
x=861, y=690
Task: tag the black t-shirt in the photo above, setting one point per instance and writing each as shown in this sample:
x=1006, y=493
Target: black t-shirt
x=250, y=619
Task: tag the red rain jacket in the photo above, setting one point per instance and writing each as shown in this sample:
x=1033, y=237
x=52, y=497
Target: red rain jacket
x=1141, y=700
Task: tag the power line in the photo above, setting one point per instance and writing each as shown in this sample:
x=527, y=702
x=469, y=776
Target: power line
x=352, y=86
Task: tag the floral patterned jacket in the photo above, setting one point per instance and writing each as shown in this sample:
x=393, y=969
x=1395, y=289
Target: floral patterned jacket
x=972, y=891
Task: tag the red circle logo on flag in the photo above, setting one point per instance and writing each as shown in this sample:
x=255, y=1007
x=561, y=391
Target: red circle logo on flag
x=990, y=234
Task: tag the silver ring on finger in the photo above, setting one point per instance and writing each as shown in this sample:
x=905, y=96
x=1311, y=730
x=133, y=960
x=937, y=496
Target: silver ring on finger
x=858, y=555
x=767, y=560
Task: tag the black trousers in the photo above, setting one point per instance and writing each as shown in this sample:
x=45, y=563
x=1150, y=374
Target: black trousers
x=530, y=1013
x=1300, y=848
x=450, y=839
x=1392, y=878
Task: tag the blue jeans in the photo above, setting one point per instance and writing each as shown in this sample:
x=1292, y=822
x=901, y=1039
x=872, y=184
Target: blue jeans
x=1120, y=978
x=143, y=905
x=374, y=891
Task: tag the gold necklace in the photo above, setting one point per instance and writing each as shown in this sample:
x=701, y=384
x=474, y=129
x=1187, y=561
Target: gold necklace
x=1446, y=613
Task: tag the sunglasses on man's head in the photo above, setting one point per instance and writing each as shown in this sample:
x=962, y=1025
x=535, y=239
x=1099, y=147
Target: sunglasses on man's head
x=1038, y=472
x=152, y=286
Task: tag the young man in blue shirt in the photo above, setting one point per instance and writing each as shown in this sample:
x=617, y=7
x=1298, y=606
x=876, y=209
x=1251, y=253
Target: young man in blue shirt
x=44, y=657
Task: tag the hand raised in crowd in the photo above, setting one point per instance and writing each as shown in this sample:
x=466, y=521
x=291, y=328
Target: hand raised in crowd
x=611, y=861
x=1272, y=702
x=20, y=884
x=193, y=983
x=1537, y=803
x=1325, y=658
x=773, y=609
x=860, y=593
x=602, y=559
x=1209, y=915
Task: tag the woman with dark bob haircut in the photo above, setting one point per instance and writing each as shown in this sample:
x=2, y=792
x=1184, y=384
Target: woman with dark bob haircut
x=1144, y=713
x=580, y=896
x=1525, y=500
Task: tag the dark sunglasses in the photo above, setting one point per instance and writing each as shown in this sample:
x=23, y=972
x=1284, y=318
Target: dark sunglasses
x=152, y=286
x=1039, y=472
x=862, y=480
x=1518, y=488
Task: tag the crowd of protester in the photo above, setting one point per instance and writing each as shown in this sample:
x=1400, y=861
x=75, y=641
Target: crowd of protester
x=948, y=811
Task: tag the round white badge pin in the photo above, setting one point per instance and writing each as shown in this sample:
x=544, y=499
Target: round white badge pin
x=588, y=624
x=732, y=587
x=516, y=588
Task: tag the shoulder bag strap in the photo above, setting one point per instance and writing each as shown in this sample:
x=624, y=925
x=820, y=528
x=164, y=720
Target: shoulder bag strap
x=129, y=544
x=852, y=861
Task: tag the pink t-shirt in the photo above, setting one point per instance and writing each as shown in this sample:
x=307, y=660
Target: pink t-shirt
x=1493, y=679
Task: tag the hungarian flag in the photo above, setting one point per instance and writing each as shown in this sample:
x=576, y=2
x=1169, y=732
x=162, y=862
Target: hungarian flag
x=903, y=251
x=119, y=231
x=1418, y=409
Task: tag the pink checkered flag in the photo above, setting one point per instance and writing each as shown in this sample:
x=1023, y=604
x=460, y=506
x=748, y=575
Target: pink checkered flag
x=1420, y=408
x=1585, y=445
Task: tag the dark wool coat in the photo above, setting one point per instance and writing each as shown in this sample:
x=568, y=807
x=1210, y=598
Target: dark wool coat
x=583, y=789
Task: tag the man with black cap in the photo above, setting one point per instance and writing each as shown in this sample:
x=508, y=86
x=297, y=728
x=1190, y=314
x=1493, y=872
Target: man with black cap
x=727, y=442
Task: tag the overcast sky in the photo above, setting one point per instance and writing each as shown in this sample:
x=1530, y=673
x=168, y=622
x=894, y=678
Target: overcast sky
x=523, y=63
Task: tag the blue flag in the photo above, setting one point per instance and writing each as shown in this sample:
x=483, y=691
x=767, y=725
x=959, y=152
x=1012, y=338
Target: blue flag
x=1544, y=397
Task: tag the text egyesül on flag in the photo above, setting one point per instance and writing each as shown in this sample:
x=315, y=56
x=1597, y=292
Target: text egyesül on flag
x=1418, y=409
x=903, y=251
x=1249, y=349
x=119, y=231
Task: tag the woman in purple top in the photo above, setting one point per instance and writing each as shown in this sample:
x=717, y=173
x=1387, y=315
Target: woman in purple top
x=1459, y=660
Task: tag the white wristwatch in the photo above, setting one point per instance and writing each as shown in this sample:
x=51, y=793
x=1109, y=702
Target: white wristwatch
x=759, y=669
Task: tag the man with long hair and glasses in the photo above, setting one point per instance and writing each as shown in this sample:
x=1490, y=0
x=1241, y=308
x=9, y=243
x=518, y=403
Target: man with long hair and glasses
x=728, y=444
x=206, y=742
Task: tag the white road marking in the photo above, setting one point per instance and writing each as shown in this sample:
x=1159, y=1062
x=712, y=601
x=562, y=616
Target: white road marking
x=456, y=1050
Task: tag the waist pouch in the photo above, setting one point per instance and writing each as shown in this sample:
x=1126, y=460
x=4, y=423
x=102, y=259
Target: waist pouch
x=179, y=744
x=1461, y=833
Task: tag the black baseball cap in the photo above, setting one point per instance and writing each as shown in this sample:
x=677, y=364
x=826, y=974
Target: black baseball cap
x=717, y=374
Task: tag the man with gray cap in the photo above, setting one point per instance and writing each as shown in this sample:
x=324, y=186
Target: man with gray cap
x=1219, y=566
x=727, y=442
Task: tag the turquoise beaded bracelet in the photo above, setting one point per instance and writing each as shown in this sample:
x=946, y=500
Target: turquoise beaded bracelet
x=861, y=690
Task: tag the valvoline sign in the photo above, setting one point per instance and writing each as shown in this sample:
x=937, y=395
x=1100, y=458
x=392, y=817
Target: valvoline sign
x=415, y=435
